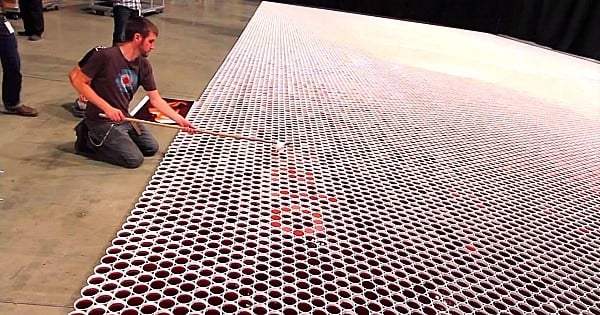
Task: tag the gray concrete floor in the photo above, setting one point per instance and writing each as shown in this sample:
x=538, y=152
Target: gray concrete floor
x=60, y=210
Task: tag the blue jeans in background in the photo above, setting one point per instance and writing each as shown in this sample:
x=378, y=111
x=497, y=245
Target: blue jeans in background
x=121, y=15
x=11, y=70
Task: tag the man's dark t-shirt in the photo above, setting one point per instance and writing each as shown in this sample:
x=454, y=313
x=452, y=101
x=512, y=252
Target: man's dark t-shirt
x=88, y=55
x=115, y=79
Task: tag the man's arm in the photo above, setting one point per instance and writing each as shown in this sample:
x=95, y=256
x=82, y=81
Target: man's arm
x=81, y=82
x=159, y=103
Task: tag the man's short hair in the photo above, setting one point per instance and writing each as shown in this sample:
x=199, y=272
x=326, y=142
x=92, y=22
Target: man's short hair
x=141, y=25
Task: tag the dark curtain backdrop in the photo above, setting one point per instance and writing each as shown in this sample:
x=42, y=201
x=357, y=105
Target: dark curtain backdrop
x=571, y=26
x=567, y=25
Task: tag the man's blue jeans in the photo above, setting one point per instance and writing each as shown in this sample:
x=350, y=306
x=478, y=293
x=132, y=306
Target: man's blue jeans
x=117, y=143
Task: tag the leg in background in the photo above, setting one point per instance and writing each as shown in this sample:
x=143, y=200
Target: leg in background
x=11, y=71
x=121, y=15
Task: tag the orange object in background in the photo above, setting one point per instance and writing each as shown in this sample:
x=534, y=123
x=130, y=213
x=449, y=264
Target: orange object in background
x=11, y=7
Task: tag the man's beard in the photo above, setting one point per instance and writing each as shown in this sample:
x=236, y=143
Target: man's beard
x=143, y=53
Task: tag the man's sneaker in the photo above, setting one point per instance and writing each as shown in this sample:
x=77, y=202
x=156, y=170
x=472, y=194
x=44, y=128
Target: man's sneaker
x=79, y=108
x=22, y=110
x=35, y=37
x=81, y=139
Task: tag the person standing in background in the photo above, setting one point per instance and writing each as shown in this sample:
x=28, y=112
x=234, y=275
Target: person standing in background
x=32, y=13
x=122, y=11
x=11, y=71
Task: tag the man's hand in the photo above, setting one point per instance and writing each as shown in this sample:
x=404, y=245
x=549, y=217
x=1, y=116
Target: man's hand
x=187, y=126
x=114, y=114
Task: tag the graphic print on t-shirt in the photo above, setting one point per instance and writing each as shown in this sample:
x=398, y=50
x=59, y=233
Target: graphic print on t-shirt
x=127, y=81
